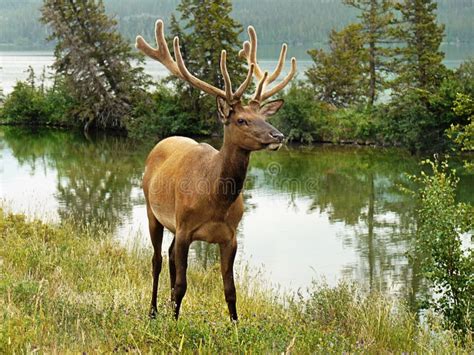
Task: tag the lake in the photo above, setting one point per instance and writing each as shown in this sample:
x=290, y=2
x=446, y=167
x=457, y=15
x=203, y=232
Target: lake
x=13, y=64
x=312, y=213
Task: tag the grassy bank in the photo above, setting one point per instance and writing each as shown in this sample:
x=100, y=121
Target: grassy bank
x=64, y=289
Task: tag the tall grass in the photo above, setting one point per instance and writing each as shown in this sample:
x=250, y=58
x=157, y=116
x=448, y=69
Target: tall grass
x=65, y=289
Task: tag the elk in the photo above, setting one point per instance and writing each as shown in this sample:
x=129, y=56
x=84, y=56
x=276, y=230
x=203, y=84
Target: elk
x=194, y=190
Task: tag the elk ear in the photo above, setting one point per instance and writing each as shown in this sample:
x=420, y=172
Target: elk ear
x=272, y=107
x=223, y=109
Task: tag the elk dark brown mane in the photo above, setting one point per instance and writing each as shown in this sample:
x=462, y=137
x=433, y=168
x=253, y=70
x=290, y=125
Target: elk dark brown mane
x=194, y=190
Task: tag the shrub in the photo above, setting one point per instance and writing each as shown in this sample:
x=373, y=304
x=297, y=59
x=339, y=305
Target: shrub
x=28, y=104
x=352, y=124
x=24, y=105
x=465, y=76
x=301, y=118
x=463, y=136
x=446, y=264
x=161, y=114
x=418, y=119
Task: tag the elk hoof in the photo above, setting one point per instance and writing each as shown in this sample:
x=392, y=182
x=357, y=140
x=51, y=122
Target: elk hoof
x=152, y=314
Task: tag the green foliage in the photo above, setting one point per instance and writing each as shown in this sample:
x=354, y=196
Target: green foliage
x=162, y=114
x=301, y=116
x=305, y=120
x=418, y=119
x=463, y=136
x=23, y=105
x=2, y=95
x=420, y=59
x=352, y=125
x=71, y=290
x=377, y=20
x=338, y=77
x=465, y=75
x=95, y=62
x=447, y=265
x=29, y=104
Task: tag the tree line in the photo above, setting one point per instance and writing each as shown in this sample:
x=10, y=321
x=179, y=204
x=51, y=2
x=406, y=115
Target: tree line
x=297, y=21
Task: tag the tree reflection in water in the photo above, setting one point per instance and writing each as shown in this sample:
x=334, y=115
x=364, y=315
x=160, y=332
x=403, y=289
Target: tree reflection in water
x=360, y=188
x=95, y=177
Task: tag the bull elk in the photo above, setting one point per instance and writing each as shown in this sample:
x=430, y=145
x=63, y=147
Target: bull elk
x=195, y=190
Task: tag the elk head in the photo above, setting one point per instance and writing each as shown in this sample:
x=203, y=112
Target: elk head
x=244, y=125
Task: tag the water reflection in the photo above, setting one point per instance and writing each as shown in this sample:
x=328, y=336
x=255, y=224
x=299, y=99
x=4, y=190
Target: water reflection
x=357, y=187
x=94, y=178
x=333, y=212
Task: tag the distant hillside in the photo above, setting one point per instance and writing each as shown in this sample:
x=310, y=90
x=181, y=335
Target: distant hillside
x=293, y=21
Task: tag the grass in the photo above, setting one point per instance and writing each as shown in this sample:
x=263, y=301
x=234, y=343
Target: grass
x=68, y=290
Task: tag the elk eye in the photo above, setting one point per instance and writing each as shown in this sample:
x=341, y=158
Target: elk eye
x=241, y=121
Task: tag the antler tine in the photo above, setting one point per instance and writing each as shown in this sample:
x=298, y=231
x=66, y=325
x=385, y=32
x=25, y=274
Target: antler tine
x=249, y=52
x=280, y=65
x=258, y=92
x=198, y=83
x=283, y=83
x=161, y=53
x=225, y=75
x=240, y=91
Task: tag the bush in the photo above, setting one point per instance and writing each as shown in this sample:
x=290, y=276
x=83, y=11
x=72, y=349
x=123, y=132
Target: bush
x=445, y=263
x=463, y=136
x=24, y=105
x=418, y=119
x=465, y=76
x=353, y=125
x=28, y=104
x=301, y=119
x=162, y=114
x=305, y=119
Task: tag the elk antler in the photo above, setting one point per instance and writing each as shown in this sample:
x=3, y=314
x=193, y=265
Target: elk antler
x=249, y=52
x=178, y=68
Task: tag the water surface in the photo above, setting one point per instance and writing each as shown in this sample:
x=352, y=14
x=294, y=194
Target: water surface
x=311, y=213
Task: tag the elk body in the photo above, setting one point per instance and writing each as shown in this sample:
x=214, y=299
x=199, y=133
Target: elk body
x=194, y=190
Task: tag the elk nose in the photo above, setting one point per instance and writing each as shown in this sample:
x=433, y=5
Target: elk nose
x=277, y=136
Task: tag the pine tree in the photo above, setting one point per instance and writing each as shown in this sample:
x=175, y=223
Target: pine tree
x=94, y=60
x=377, y=19
x=420, y=59
x=338, y=76
x=206, y=28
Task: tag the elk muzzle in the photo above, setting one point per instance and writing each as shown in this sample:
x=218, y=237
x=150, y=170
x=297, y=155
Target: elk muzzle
x=276, y=139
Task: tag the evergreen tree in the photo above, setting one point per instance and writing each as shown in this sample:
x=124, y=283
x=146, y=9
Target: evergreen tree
x=420, y=59
x=338, y=76
x=377, y=20
x=95, y=61
x=207, y=29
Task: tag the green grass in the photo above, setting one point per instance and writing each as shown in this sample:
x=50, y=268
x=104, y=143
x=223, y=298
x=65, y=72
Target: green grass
x=63, y=289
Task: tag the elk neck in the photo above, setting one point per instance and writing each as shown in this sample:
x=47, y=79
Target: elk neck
x=233, y=164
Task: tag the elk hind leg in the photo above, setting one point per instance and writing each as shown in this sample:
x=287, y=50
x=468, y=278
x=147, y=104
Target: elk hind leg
x=172, y=266
x=181, y=249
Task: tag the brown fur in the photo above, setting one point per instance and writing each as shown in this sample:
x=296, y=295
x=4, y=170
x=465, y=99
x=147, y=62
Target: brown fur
x=195, y=192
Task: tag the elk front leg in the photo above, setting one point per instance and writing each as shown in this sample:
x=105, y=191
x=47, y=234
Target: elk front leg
x=156, y=235
x=181, y=249
x=228, y=251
